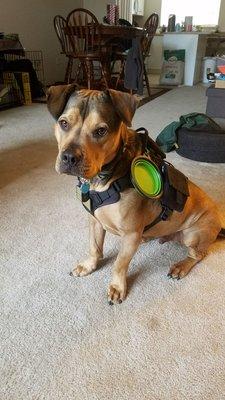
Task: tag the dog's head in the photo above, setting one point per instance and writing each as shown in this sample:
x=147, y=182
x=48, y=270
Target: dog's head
x=91, y=127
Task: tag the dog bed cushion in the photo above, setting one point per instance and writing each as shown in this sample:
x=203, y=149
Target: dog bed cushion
x=201, y=145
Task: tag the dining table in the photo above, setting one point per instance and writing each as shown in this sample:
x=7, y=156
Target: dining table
x=114, y=31
x=120, y=31
x=111, y=35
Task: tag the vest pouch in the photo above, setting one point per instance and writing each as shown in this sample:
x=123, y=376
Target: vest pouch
x=175, y=188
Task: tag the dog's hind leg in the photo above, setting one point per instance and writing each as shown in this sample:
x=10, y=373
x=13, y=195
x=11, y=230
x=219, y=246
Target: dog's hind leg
x=118, y=286
x=96, y=237
x=181, y=268
x=198, y=241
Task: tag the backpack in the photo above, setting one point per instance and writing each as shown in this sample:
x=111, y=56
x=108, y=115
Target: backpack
x=167, y=139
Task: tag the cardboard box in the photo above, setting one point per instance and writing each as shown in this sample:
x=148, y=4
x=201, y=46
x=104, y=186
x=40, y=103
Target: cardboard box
x=26, y=88
x=19, y=83
x=14, y=95
x=220, y=84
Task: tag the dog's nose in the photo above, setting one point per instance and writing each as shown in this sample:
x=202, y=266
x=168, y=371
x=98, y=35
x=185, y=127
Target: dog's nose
x=68, y=158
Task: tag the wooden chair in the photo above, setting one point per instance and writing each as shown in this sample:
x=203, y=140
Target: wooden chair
x=60, y=26
x=119, y=48
x=149, y=29
x=84, y=33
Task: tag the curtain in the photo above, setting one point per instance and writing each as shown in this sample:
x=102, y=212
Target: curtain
x=125, y=9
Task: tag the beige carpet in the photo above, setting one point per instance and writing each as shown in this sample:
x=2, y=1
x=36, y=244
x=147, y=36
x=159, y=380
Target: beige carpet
x=59, y=338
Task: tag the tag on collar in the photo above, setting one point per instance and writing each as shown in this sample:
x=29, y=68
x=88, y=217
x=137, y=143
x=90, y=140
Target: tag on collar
x=82, y=193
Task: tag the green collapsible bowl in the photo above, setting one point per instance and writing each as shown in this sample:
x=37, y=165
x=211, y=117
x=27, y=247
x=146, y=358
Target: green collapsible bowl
x=146, y=177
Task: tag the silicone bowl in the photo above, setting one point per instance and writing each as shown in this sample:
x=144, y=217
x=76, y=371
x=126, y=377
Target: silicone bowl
x=146, y=177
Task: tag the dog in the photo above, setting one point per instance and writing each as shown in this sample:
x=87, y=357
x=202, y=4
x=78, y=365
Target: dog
x=93, y=131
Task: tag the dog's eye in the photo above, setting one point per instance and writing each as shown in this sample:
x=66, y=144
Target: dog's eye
x=100, y=132
x=64, y=124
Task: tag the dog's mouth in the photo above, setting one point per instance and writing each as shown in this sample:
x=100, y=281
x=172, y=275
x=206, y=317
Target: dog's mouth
x=74, y=170
x=78, y=168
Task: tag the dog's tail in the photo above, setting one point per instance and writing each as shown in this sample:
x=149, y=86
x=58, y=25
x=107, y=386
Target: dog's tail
x=222, y=233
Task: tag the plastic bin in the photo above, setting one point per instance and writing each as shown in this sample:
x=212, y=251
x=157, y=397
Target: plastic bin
x=208, y=65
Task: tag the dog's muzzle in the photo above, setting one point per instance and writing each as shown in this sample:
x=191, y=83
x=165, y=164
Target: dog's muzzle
x=69, y=163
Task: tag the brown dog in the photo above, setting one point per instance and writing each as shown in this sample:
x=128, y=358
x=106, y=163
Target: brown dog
x=92, y=132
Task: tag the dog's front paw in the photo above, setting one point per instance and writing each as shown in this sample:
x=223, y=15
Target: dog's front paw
x=116, y=294
x=84, y=268
x=80, y=270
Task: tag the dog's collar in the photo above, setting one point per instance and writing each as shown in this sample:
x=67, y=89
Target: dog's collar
x=107, y=170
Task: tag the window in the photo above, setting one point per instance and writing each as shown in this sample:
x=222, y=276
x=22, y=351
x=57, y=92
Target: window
x=204, y=12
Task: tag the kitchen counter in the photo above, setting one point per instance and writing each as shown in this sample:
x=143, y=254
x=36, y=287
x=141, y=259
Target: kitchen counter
x=187, y=33
x=210, y=34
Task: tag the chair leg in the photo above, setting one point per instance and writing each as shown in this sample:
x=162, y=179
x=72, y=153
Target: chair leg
x=147, y=81
x=77, y=73
x=121, y=72
x=112, y=66
x=83, y=68
x=89, y=73
x=104, y=75
x=69, y=68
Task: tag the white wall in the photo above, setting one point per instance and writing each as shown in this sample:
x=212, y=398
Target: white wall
x=221, y=22
x=152, y=6
x=33, y=21
x=154, y=62
x=97, y=7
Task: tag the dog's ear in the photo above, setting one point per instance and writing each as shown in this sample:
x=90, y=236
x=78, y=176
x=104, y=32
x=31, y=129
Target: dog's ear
x=57, y=97
x=125, y=104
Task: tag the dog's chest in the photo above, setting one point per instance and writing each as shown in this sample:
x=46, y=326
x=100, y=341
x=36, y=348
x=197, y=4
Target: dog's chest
x=127, y=215
x=110, y=218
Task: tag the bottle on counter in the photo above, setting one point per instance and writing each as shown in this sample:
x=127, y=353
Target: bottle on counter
x=188, y=24
x=171, y=23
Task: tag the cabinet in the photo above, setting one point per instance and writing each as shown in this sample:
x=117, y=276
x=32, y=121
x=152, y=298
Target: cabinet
x=138, y=7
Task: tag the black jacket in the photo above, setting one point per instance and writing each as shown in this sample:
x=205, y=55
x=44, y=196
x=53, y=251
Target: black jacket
x=133, y=79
